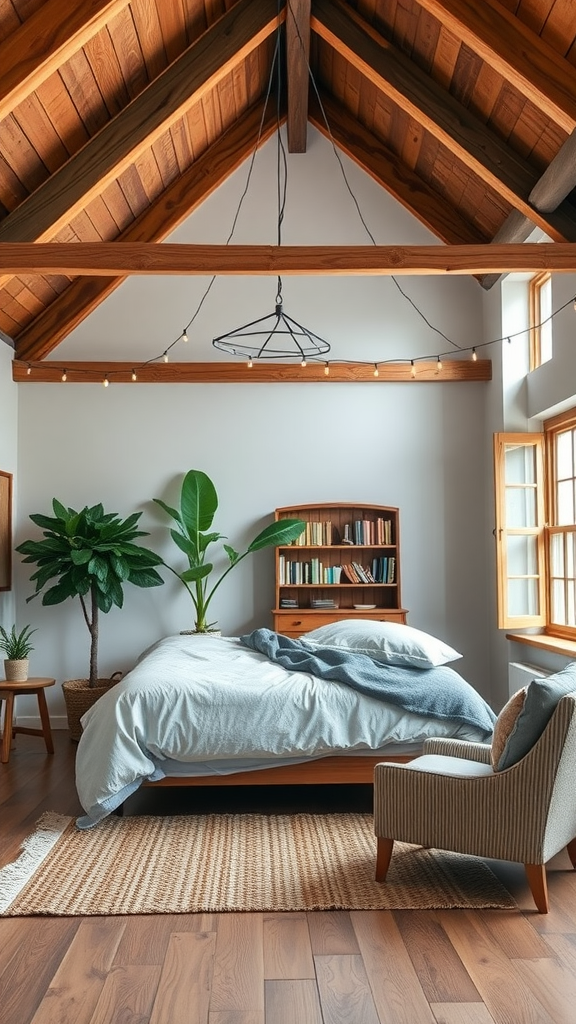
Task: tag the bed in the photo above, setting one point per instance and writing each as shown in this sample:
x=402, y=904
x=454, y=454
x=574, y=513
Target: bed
x=248, y=710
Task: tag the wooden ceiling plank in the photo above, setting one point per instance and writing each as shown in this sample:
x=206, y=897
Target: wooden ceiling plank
x=523, y=58
x=151, y=259
x=261, y=373
x=388, y=170
x=297, y=61
x=475, y=145
x=137, y=127
x=163, y=216
x=45, y=41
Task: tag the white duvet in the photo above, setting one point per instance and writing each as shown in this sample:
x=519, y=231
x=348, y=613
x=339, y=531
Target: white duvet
x=198, y=704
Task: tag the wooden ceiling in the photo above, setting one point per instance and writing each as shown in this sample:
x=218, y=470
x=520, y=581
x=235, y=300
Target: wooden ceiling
x=119, y=117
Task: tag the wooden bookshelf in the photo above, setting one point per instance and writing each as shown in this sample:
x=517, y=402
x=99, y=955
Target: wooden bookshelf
x=341, y=541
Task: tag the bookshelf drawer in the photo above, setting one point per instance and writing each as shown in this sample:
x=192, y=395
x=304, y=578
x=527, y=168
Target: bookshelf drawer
x=295, y=623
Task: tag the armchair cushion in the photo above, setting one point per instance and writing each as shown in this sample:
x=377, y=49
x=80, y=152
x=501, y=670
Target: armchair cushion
x=533, y=715
x=504, y=725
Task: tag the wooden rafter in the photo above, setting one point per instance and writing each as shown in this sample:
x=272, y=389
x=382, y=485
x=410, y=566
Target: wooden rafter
x=221, y=48
x=48, y=38
x=126, y=258
x=510, y=47
x=260, y=373
x=456, y=127
x=165, y=214
x=385, y=167
x=297, y=59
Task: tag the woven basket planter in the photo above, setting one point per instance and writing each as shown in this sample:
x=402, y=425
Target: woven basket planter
x=79, y=698
x=16, y=670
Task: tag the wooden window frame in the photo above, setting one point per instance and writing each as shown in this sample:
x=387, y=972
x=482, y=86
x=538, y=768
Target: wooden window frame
x=552, y=427
x=535, y=287
x=5, y=530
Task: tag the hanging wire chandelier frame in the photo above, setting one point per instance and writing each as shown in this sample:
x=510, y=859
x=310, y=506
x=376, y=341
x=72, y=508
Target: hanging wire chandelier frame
x=285, y=338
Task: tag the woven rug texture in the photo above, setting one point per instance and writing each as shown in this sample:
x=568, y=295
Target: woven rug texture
x=228, y=862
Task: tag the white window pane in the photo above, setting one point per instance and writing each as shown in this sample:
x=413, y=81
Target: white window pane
x=546, y=323
x=522, y=556
x=564, y=457
x=523, y=597
x=557, y=555
x=570, y=549
x=520, y=465
x=570, y=610
x=520, y=507
x=565, y=503
x=558, y=609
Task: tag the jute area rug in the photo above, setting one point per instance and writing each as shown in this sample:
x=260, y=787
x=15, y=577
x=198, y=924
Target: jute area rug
x=232, y=862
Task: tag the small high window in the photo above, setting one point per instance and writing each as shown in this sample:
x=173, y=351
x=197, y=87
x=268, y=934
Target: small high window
x=540, y=293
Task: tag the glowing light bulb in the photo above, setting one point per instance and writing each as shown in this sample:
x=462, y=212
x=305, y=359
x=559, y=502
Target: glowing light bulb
x=303, y=363
x=106, y=381
x=412, y=369
x=376, y=372
x=165, y=357
x=474, y=356
x=326, y=370
x=29, y=369
x=250, y=364
x=134, y=377
x=184, y=335
x=438, y=365
x=64, y=377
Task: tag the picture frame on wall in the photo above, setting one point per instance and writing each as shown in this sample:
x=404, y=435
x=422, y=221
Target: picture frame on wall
x=5, y=530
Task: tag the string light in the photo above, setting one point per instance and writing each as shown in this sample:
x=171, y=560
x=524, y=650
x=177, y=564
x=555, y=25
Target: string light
x=474, y=355
x=184, y=335
x=376, y=374
x=438, y=364
x=412, y=369
x=250, y=364
x=134, y=375
x=165, y=357
x=29, y=369
x=105, y=381
x=303, y=363
x=326, y=369
x=64, y=377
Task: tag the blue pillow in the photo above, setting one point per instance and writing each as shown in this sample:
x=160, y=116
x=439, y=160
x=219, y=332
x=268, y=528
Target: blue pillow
x=542, y=696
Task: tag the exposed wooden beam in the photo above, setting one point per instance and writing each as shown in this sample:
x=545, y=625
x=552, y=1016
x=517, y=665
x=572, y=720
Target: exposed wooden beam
x=123, y=258
x=221, y=48
x=456, y=127
x=179, y=200
x=386, y=167
x=297, y=59
x=48, y=38
x=239, y=373
x=509, y=46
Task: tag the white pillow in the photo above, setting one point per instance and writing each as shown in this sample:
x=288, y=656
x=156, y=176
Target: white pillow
x=392, y=643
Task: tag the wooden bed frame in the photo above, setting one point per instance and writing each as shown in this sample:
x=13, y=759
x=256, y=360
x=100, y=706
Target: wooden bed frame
x=320, y=771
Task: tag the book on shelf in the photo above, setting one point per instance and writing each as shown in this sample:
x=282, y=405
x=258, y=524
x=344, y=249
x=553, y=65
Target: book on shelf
x=288, y=602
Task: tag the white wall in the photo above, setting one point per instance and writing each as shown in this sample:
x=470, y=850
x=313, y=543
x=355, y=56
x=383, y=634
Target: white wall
x=419, y=446
x=8, y=454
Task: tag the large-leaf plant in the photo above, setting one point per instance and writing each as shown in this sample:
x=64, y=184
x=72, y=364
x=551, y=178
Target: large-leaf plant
x=194, y=535
x=91, y=554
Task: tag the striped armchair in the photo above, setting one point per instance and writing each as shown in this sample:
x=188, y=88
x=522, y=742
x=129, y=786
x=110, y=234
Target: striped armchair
x=451, y=799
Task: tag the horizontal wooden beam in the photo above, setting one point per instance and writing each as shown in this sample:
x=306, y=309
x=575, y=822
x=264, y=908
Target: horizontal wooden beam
x=263, y=372
x=108, y=259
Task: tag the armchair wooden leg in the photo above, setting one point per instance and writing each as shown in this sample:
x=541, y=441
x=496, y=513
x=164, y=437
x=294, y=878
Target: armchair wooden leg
x=572, y=852
x=538, y=886
x=383, y=856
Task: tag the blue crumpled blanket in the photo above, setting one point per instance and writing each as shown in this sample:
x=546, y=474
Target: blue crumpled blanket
x=437, y=692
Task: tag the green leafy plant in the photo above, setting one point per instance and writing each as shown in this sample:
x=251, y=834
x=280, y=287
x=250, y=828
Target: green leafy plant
x=194, y=518
x=16, y=646
x=91, y=554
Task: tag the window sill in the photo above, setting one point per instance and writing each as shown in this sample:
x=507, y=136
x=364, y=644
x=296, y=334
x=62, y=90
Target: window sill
x=553, y=644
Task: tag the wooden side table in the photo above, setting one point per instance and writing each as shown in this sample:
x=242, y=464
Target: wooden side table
x=9, y=692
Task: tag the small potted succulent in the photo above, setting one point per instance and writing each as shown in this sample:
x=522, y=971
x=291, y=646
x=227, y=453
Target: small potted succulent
x=16, y=647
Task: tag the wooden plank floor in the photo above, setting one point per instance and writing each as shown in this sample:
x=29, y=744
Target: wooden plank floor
x=410, y=967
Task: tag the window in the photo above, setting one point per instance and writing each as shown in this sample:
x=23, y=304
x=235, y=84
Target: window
x=540, y=296
x=535, y=486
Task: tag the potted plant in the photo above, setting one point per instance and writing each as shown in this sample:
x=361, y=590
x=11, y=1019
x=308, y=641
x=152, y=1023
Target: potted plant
x=194, y=518
x=90, y=554
x=17, y=647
